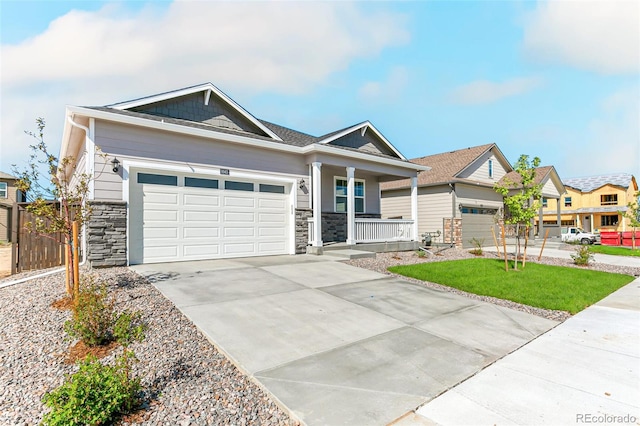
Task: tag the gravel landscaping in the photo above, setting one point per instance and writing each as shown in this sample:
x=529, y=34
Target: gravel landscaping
x=186, y=380
x=382, y=261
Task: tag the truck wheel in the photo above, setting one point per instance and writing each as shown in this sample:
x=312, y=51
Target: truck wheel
x=585, y=241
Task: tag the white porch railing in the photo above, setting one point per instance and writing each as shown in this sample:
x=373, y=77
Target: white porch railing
x=376, y=230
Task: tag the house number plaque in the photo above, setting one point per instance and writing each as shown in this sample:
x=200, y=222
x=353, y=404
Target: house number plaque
x=224, y=172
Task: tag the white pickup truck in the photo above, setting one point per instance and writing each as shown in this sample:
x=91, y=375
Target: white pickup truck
x=572, y=234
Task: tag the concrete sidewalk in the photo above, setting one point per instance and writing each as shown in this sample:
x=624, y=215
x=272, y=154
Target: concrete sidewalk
x=336, y=344
x=586, y=370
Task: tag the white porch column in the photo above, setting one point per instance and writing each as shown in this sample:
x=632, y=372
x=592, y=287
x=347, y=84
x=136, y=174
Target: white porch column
x=414, y=208
x=558, y=218
x=540, y=222
x=351, y=206
x=317, y=204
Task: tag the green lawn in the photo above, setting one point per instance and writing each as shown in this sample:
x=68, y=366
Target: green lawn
x=617, y=251
x=543, y=286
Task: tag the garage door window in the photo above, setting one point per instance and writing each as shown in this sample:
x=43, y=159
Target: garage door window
x=157, y=179
x=238, y=186
x=201, y=183
x=473, y=210
x=274, y=189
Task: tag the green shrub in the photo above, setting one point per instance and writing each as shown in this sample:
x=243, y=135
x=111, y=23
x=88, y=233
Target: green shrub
x=96, y=322
x=477, y=244
x=582, y=256
x=95, y=395
x=93, y=316
x=420, y=253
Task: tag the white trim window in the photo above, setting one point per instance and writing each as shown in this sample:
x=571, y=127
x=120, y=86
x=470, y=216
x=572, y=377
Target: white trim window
x=3, y=190
x=340, y=194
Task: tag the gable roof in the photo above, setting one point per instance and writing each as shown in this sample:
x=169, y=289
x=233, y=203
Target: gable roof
x=7, y=176
x=446, y=166
x=363, y=127
x=588, y=184
x=543, y=174
x=207, y=89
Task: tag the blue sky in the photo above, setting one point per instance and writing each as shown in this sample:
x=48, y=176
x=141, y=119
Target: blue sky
x=558, y=80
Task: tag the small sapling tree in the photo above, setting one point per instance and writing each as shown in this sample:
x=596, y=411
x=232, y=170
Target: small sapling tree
x=63, y=183
x=633, y=214
x=521, y=198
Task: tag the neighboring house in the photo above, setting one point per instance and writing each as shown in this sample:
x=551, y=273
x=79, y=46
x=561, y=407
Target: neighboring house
x=198, y=177
x=456, y=197
x=8, y=194
x=552, y=191
x=594, y=203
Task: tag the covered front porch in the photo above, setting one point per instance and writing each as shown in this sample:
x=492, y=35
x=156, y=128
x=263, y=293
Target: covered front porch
x=345, y=208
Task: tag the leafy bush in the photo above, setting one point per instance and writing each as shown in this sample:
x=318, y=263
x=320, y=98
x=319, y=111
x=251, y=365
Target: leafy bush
x=96, y=322
x=95, y=395
x=420, y=253
x=582, y=256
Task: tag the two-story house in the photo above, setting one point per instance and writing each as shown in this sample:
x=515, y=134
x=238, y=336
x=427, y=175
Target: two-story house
x=594, y=203
x=7, y=199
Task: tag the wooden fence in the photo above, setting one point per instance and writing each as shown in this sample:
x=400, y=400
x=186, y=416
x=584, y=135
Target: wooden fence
x=30, y=250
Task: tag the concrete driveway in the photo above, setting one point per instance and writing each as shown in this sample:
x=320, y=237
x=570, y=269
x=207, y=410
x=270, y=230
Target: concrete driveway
x=336, y=344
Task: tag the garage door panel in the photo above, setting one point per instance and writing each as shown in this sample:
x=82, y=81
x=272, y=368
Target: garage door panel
x=239, y=249
x=201, y=250
x=192, y=222
x=268, y=203
x=230, y=232
x=206, y=201
x=271, y=232
x=200, y=216
x=476, y=226
x=234, y=201
x=277, y=218
x=204, y=232
x=160, y=198
x=150, y=215
x=236, y=216
x=271, y=247
x=156, y=232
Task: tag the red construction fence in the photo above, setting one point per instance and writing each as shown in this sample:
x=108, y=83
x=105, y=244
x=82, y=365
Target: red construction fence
x=609, y=238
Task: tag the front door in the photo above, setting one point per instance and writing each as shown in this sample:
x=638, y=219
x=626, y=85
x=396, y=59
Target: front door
x=586, y=223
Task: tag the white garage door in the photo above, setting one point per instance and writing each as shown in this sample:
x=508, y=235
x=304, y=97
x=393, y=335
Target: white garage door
x=176, y=218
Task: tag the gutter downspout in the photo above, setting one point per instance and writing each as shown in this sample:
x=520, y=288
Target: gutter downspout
x=84, y=230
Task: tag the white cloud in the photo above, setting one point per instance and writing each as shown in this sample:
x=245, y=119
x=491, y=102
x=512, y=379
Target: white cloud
x=94, y=58
x=388, y=90
x=484, y=92
x=603, y=36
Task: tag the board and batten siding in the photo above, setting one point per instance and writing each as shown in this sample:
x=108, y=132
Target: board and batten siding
x=133, y=143
x=434, y=204
x=479, y=169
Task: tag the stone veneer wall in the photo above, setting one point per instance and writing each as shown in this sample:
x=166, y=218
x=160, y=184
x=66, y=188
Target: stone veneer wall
x=302, y=229
x=457, y=231
x=107, y=234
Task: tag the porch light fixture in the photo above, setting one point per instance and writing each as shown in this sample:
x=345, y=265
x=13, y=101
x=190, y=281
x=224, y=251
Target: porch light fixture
x=116, y=165
x=302, y=183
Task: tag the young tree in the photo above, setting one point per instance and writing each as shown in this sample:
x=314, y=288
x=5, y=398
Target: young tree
x=521, y=198
x=633, y=214
x=66, y=185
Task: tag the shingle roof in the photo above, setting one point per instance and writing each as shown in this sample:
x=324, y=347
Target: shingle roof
x=444, y=167
x=4, y=175
x=514, y=177
x=588, y=184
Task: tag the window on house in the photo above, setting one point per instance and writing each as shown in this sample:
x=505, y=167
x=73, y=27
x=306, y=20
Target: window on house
x=340, y=190
x=609, y=200
x=3, y=189
x=567, y=201
x=490, y=168
x=609, y=220
x=544, y=202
